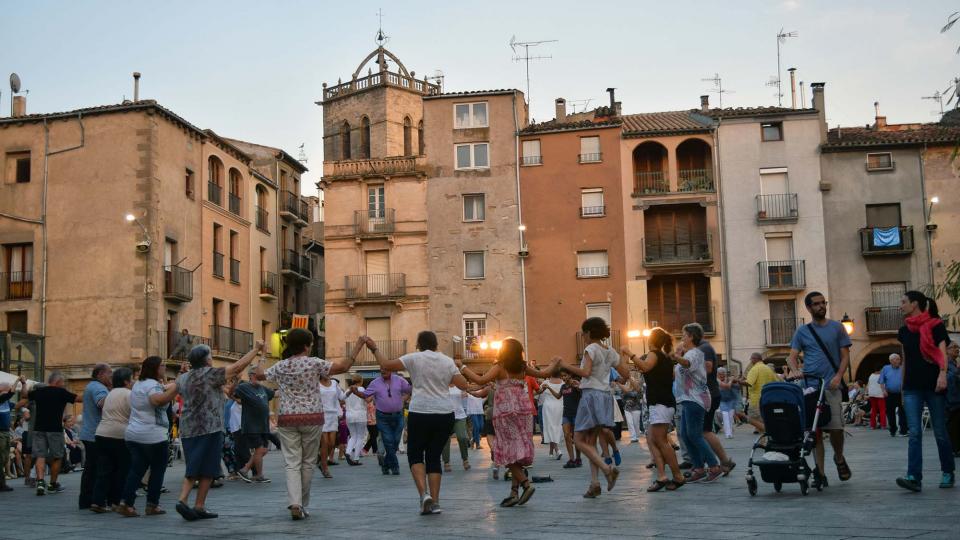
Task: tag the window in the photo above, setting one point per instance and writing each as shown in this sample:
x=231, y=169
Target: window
x=783, y=321
x=474, y=207
x=234, y=315
x=345, y=140
x=420, y=138
x=473, y=156
x=531, y=153
x=771, y=131
x=261, y=209
x=590, y=149
x=188, y=184
x=473, y=265
x=18, y=167
x=234, y=254
x=17, y=321
x=16, y=272
x=217, y=251
x=365, y=138
x=887, y=294
x=215, y=181
x=600, y=310
x=215, y=313
x=673, y=301
x=592, y=264
x=883, y=216
x=591, y=202
x=474, y=327
x=882, y=161
x=235, y=185
x=407, y=137
x=470, y=115
x=376, y=208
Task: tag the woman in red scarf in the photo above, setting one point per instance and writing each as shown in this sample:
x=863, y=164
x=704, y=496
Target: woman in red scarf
x=924, y=339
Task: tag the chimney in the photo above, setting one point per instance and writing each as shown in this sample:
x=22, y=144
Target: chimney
x=820, y=105
x=704, y=103
x=880, y=122
x=19, y=107
x=136, y=86
x=793, y=87
x=803, y=95
x=613, y=98
x=561, y=109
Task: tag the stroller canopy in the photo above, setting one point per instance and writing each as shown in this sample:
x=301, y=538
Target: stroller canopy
x=781, y=393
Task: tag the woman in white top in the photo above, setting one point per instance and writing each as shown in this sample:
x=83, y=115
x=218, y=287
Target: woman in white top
x=596, y=402
x=430, y=420
x=356, y=421
x=330, y=395
x=113, y=459
x=458, y=402
x=147, y=436
x=552, y=414
x=878, y=409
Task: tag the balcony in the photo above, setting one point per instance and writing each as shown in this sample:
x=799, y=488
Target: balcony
x=776, y=276
x=379, y=78
x=593, y=272
x=292, y=208
x=780, y=207
x=593, y=211
x=225, y=340
x=528, y=161
x=886, y=241
x=167, y=345
x=218, y=265
x=661, y=254
x=234, y=271
x=779, y=332
x=650, y=183
x=695, y=181
x=883, y=320
x=234, y=203
x=470, y=349
x=673, y=321
x=595, y=157
x=262, y=216
x=613, y=341
x=177, y=284
x=268, y=286
x=375, y=287
x=22, y=353
x=392, y=349
x=16, y=285
x=373, y=223
x=215, y=193
x=295, y=265
x=360, y=168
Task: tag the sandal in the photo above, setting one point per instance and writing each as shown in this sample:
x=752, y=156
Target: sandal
x=843, y=470
x=512, y=500
x=528, y=491
x=326, y=474
x=673, y=485
x=612, y=477
x=592, y=492
x=657, y=485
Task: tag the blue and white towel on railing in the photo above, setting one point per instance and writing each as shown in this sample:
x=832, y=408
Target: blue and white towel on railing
x=886, y=237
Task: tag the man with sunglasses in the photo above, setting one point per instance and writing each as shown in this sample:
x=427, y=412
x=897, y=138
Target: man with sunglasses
x=388, y=392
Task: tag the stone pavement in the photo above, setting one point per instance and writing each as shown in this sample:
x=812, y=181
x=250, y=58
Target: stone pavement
x=360, y=503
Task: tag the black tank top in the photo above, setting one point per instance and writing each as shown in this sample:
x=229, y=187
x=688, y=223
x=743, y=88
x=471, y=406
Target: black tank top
x=660, y=382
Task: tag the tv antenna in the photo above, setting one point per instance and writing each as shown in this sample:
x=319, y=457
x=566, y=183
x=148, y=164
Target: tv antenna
x=381, y=38
x=584, y=102
x=938, y=97
x=718, y=88
x=781, y=39
x=437, y=77
x=302, y=158
x=526, y=58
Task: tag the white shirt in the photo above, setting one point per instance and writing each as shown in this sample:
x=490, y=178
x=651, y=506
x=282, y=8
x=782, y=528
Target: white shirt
x=874, y=389
x=604, y=359
x=236, y=413
x=148, y=424
x=331, y=396
x=356, y=408
x=474, y=405
x=456, y=400
x=430, y=375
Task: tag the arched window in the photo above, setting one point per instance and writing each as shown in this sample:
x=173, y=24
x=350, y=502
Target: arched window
x=345, y=140
x=261, y=209
x=215, y=180
x=236, y=183
x=420, y=138
x=407, y=137
x=365, y=138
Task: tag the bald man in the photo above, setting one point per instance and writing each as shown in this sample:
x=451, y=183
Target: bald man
x=891, y=380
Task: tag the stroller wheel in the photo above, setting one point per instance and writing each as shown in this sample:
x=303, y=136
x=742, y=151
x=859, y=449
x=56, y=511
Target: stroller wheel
x=777, y=486
x=752, y=486
x=804, y=488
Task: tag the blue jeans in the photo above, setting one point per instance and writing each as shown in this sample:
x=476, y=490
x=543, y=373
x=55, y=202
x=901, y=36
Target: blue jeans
x=913, y=401
x=143, y=456
x=477, y=421
x=692, y=433
x=390, y=426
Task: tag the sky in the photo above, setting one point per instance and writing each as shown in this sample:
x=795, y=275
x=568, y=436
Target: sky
x=253, y=70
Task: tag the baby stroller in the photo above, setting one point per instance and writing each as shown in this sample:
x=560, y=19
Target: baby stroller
x=786, y=441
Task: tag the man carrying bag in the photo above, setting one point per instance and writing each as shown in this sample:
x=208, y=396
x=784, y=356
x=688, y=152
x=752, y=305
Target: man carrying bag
x=822, y=342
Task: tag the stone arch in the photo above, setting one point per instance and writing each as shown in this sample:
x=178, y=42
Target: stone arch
x=874, y=355
x=382, y=55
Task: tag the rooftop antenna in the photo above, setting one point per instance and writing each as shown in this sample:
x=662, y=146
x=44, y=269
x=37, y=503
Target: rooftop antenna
x=437, y=77
x=718, y=87
x=782, y=38
x=774, y=82
x=302, y=158
x=938, y=97
x=381, y=38
x=584, y=102
x=526, y=58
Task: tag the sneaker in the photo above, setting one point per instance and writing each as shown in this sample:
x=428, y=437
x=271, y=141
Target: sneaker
x=608, y=460
x=261, y=479
x=41, y=488
x=435, y=509
x=909, y=482
x=426, y=504
x=55, y=487
x=616, y=458
x=570, y=464
x=947, y=480
x=245, y=476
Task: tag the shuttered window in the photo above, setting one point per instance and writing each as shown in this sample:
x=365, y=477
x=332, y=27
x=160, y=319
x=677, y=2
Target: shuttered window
x=673, y=301
x=883, y=215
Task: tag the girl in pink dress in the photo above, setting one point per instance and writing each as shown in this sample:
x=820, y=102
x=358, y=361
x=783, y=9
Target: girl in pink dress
x=512, y=414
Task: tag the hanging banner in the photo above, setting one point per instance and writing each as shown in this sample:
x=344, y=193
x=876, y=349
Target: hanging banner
x=299, y=321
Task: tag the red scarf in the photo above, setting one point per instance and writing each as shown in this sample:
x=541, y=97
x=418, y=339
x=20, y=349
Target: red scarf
x=924, y=324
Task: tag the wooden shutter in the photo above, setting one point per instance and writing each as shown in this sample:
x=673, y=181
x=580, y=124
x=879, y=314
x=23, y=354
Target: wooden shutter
x=379, y=329
x=673, y=301
x=883, y=215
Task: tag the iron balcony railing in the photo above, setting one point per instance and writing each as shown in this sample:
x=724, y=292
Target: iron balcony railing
x=779, y=332
x=883, y=320
x=695, y=180
x=613, y=341
x=228, y=340
x=177, y=283
x=591, y=158
x=531, y=160
x=593, y=271
x=22, y=353
x=673, y=321
x=262, y=216
x=470, y=349
x=268, y=284
x=650, y=183
x=776, y=207
x=175, y=346
x=304, y=210
x=16, y=285
x=292, y=207
x=215, y=193
x=392, y=349
x=376, y=286
x=306, y=269
x=593, y=211
x=234, y=202
x=234, y=270
x=886, y=240
x=295, y=263
x=782, y=275
x=218, y=264
x=374, y=222
x=694, y=251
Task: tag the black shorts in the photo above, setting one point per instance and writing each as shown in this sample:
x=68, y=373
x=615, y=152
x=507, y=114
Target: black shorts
x=27, y=444
x=255, y=440
x=708, y=418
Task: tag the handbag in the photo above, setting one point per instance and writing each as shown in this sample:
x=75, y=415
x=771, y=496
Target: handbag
x=844, y=392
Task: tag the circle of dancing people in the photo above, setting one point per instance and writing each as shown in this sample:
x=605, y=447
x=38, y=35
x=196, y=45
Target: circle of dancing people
x=129, y=422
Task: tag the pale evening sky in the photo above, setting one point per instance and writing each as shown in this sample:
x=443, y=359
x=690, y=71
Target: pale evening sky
x=252, y=70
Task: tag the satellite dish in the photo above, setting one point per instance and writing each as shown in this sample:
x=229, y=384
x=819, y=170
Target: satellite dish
x=14, y=83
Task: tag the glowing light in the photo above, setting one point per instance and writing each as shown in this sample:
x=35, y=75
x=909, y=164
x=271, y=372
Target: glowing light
x=632, y=334
x=130, y=217
x=495, y=345
x=646, y=332
x=847, y=323
x=484, y=345
x=522, y=228
x=935, y=200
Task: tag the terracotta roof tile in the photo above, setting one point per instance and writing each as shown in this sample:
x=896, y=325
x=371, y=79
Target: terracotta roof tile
x=734, y=112
x=860, y=137
x=495, y=92
x=553, y=125
x=658, y=123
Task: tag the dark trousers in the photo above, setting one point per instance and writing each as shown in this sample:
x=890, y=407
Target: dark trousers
x=953, y=429
x=112, y=469
x=372, y=435
x=426, y=436
x=272, y=437
x=142, y=457
x=89, y=475
x=240, y=450
x=895, y=412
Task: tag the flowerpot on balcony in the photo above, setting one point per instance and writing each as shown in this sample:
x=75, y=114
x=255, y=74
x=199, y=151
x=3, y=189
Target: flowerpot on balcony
x=762, y=214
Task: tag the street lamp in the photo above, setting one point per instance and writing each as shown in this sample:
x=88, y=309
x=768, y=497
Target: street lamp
x=847, y=323
x=633, y=334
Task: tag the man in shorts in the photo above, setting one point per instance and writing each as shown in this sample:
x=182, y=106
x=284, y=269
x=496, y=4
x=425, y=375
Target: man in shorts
x=823, y=360
x=47, y=436
x=758, y=376
x=254, y=424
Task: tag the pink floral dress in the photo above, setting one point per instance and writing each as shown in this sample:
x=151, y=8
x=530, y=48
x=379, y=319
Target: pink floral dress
x=513, y=423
